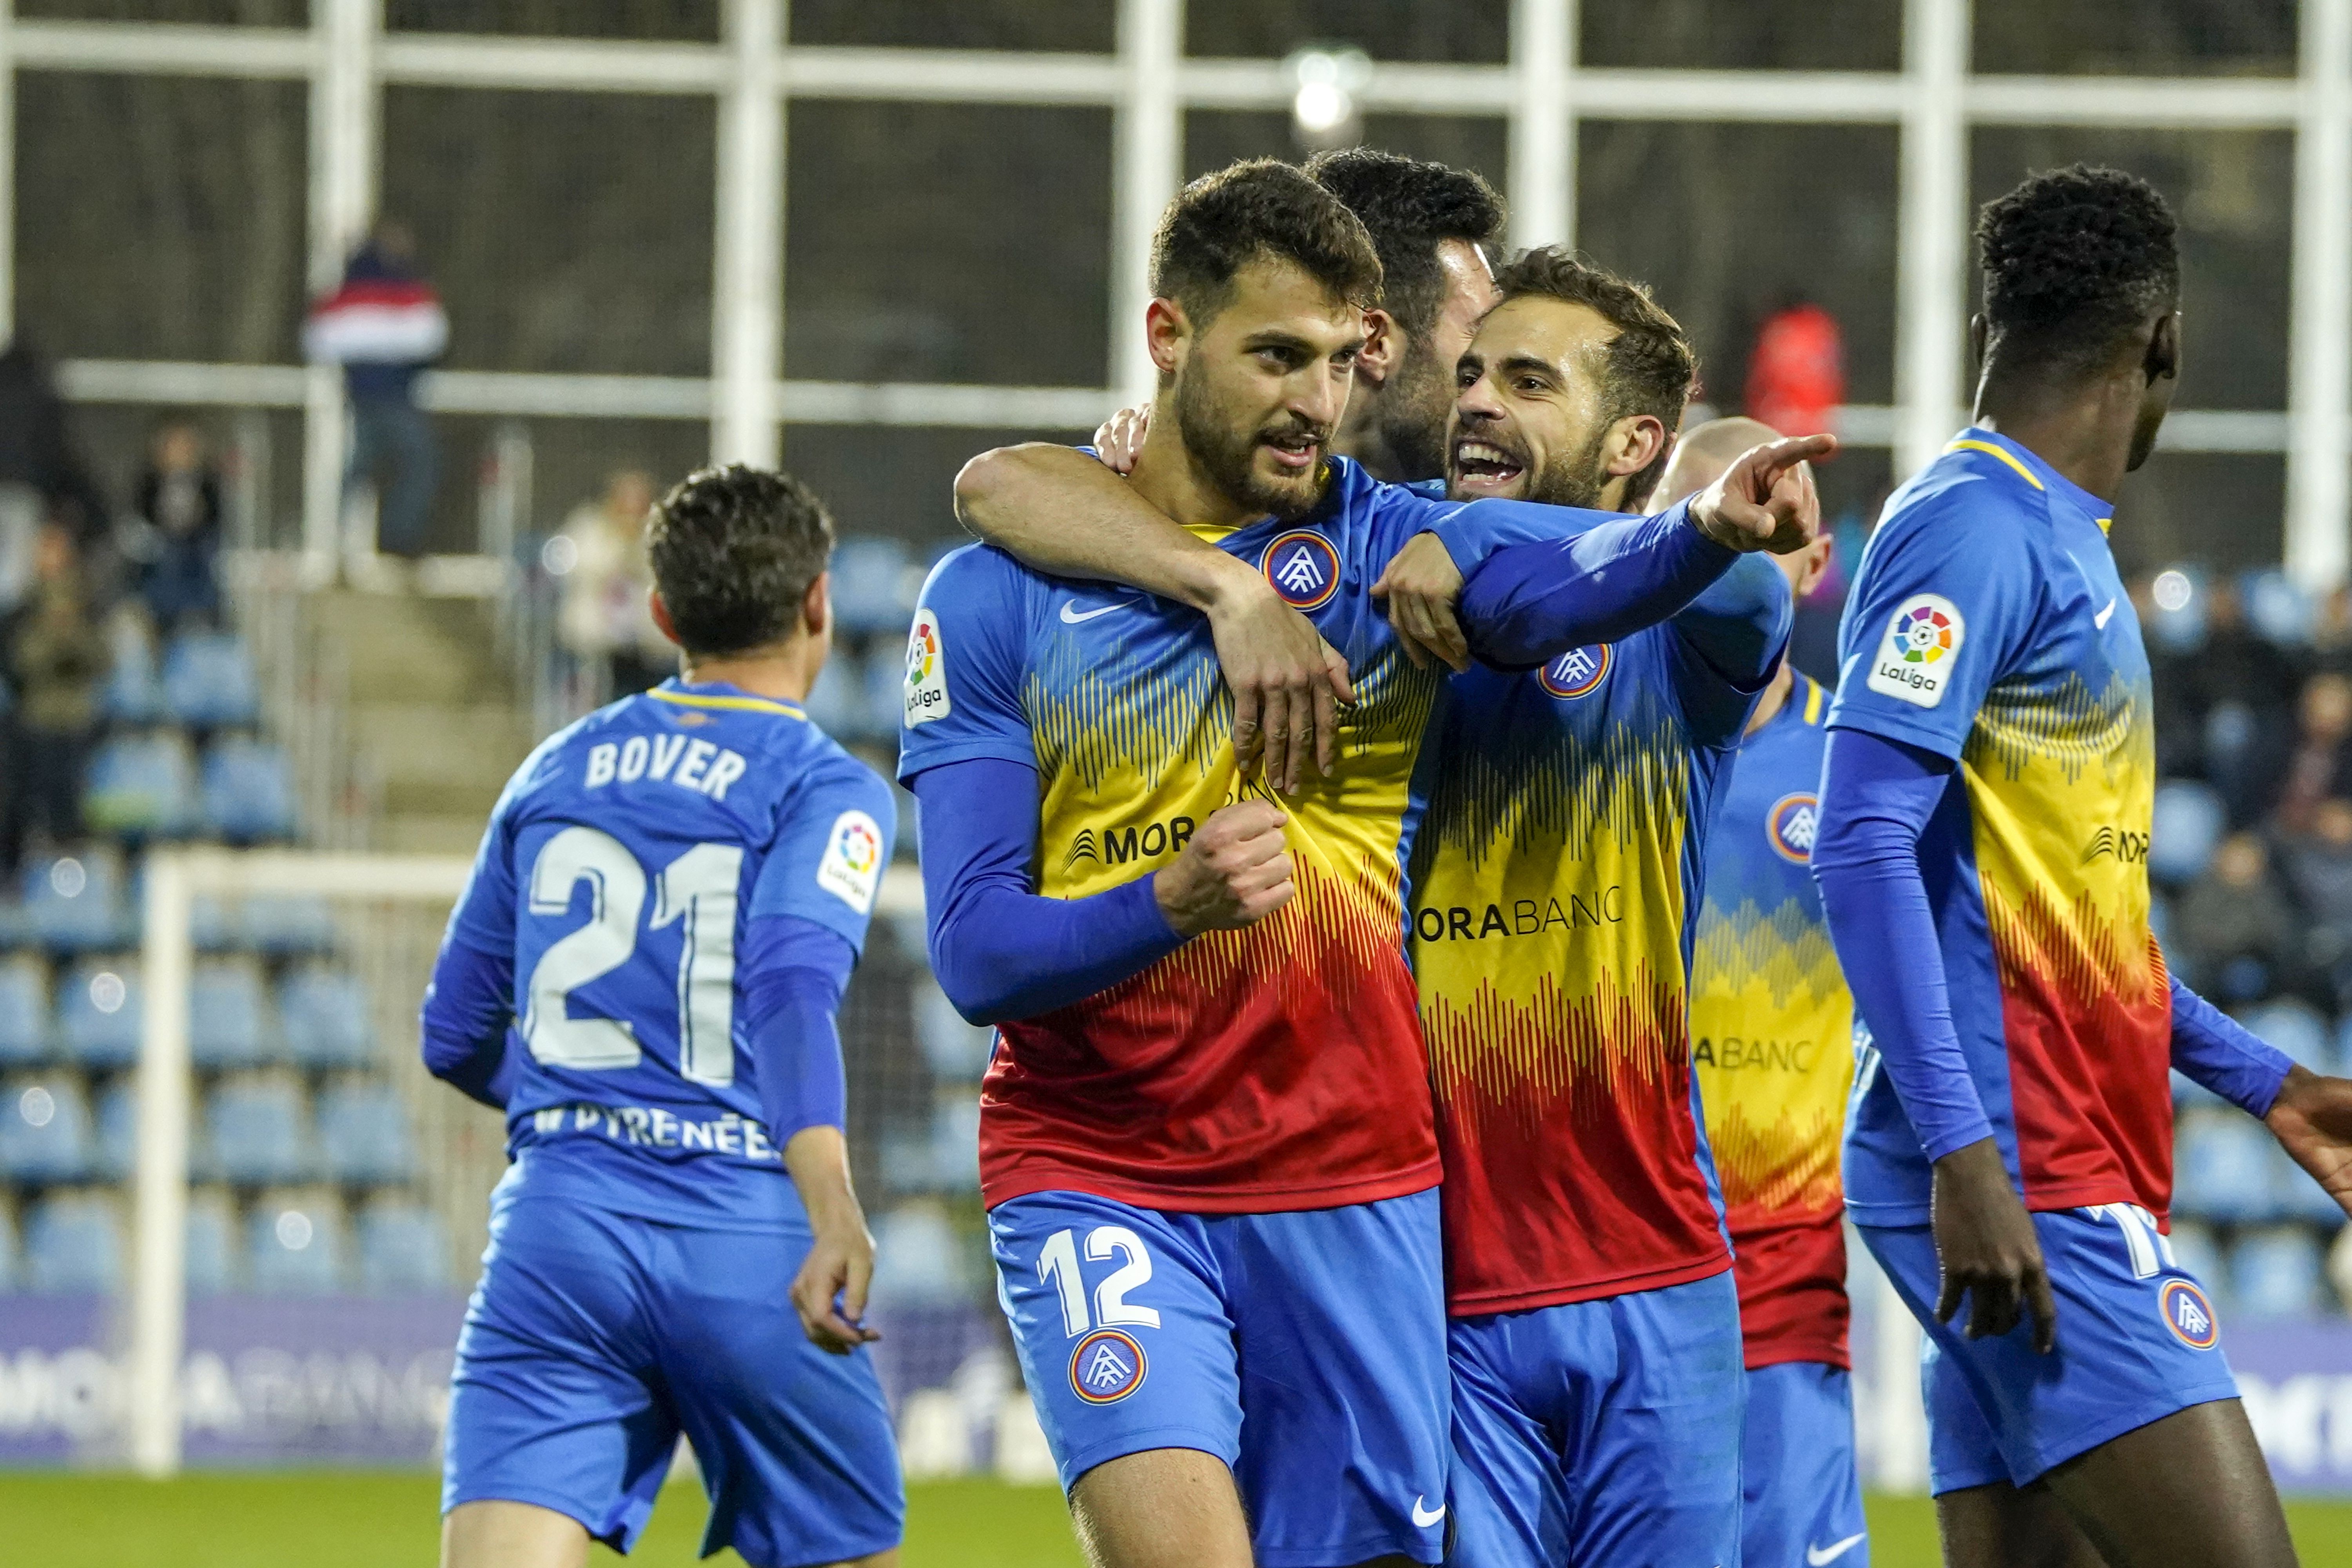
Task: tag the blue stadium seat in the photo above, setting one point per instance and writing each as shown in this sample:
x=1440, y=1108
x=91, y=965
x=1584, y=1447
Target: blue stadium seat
x=256, y=1131
x=228, y=1025
x=2189, y=821
x=23, y=1011
x=289, y=924
x=833, y=702
x=2277, y=607
x=132, y=694
x=117, y=1151
x=73, y=1246
x=364, y=1135
x=323, y=1015
x=294, y=1246
x=884, y=700
x=955, y=1049
x=212, y=1244
x=955, y=1141
x=213, y=923
x=99, y=1009
x=2295, y=1195
x=917, y=1258
x=2194, y=1250
x=403, y=1251
x=248, y=791
x=2276, y=1274
x=873, y=584
x=141, y=787
x=2296, y=1030
x=73, y=903
x=2223, y=1161
x=45, y=1129
x=208, y=681
x=2187, y=1094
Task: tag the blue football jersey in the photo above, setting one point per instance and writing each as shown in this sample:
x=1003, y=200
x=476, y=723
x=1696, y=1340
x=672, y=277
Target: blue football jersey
x=619, y=869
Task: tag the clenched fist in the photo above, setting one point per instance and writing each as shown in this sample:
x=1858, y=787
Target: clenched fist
x=1234, y=872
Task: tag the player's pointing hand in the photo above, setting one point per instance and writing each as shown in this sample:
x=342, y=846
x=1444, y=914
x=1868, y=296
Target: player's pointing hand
x=1234, y=872
x=1766, y=499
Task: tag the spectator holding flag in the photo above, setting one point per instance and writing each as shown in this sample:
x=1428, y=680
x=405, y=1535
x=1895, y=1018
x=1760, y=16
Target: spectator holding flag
x=383, y=325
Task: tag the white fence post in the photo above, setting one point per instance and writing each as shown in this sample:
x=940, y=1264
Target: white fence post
x=160, y=1205
x=2319, y=367
x=1543, y=125
x=1931, y=261
x=1147, y=167
x=747, y=306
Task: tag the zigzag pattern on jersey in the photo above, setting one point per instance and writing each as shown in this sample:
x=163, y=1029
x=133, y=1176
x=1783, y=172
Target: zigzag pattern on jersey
x=2087, y=970
x=1096, y=720
x=1774, y=981
x=2064, y=724
x=1548, y=1063
x=1549, y=795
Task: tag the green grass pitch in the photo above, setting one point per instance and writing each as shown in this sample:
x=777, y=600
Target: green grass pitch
x=360, y=1520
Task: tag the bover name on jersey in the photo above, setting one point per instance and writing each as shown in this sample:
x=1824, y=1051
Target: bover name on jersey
x=691, y=764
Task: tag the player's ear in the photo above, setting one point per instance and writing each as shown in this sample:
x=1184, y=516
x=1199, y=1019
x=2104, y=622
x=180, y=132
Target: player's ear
x=1980, y=335
x=662, y=622
x=817, y=606
x=1383, y=349
x=1635, y=442
x=2163, y=360
x=1169, y=333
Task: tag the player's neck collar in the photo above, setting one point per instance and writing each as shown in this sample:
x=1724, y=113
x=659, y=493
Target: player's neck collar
x=2030, y=466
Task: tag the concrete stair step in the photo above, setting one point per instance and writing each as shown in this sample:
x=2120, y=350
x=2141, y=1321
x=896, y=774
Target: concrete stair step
x=432, y=834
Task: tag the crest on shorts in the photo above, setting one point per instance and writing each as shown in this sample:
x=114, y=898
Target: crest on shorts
x=1107, y=1367
x=2189, y=1314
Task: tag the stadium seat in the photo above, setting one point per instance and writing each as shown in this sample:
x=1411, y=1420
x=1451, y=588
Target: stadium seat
x=2224, y=1168
x=884, y=700
x=294, y=1246
x=2295, y=1195
x=833, y=702
x=955, y=1141
x=44, y=1132
x=2276, y=1274
x=227, y=1016
x=73, y=1246
x=141, y=787
x=212, y=1244
x=403, y=1251
x=364, y=1135
x=73, y=903
x=917, y=1258
x=2189, y=821
x=132, y=694
x=248, y=791
x=323, y=1016
x=212, y=923
x=2277, y=607
x=873, y=584
x=2296, y=1030
x=98, y=1011
x=256, y=1131
x=2187, y=1094
x=117, y=1150
x=208, y=681
x=2195, y=1250
x=23, y=1011
x=955, y=1049
x=289, y=924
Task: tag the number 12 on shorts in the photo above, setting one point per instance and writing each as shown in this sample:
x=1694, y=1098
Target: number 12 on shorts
x=1057, y=1265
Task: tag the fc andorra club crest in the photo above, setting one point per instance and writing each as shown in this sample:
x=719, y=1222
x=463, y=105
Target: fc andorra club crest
x=2188, y=1315
x=1303, y=568
x=1107, y=1367
x=1791, y=824
x=1576, y=673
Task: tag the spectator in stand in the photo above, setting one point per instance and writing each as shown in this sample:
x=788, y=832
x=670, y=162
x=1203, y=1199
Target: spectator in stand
x=2241, y=687
x=35, y=449
x=58, y=657
x=606, y=618
x=383, y=326
x=175, y=537
x=2319, y=866
x=2235, y=932
x=2319, y=768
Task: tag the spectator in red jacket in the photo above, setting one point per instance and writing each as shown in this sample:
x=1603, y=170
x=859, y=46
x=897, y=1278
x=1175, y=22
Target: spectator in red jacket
x=383, y=326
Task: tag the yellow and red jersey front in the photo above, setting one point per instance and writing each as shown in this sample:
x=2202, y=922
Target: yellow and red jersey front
x=1988, y=624
x=1771, y=1041
x=1555, y=886
x=1278, y=1066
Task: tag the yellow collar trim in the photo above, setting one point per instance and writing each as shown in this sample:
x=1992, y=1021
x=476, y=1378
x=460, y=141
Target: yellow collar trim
x=748, y=704
x=2003, y=453
x=1812, y=698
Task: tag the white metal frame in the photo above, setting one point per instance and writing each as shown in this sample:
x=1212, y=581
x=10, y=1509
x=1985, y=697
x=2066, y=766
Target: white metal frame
x=1542, y=93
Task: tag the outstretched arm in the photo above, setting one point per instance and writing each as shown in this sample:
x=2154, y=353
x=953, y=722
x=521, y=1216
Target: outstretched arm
x=1061, y=511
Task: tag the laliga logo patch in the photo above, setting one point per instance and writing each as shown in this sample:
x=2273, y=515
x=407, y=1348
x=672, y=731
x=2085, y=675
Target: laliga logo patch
x=1922, y=644
x=851, y=870
x=1107, y=1367
x=1303, y=568
x=926, y=670
x=1791, y=826
x=1576, y=673
x=2188, y=1315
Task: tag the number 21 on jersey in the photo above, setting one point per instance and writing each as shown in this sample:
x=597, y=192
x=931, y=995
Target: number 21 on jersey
x=698, y=887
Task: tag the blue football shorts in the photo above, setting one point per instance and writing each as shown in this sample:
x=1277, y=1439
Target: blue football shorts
x=595, y=1338
x=1801, y=1500
x=1304, y=1350
x=1602, y=1433
x=2137, y=1341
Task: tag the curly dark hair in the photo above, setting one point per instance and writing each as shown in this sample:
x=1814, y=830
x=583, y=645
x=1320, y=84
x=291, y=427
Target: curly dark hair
x=1648, y=367
x=2075, y=259
x=1257, y=209
x=733, y=550
x=1410, y=207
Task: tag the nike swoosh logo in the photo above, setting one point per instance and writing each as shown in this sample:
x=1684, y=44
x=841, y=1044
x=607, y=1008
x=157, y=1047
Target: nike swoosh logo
x=1819, y=1555
x=1070, y=616
x=2100, y=621
x=1422, y=1517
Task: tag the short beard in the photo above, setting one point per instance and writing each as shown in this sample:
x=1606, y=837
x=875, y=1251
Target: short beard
x=1229, y=457
x=1578, y=480
x=1411, y=418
